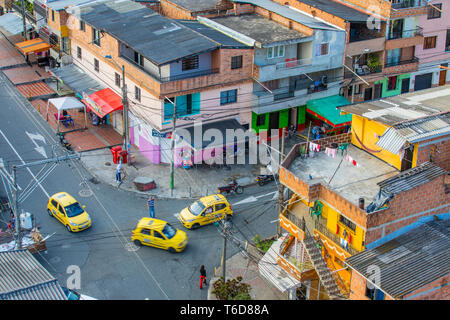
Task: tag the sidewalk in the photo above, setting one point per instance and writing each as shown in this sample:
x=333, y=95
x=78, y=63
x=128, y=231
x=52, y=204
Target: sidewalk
x=190, y=184
x=239, y=265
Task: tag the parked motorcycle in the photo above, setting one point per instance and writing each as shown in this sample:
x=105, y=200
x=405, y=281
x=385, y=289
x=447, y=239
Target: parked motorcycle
x=233, y=187
x=64, y=142
x=264, y=179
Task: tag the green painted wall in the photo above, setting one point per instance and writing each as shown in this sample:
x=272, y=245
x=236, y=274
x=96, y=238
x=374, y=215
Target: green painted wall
x=283, y=119
x=398, y=88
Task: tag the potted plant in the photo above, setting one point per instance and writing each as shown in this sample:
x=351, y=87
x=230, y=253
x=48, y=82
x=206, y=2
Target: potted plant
x=373, y=62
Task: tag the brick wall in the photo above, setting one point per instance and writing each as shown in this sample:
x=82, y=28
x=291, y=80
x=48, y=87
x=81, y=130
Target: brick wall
x=240, y=8
x=172, y=11
x=401, y=69
x=436, y=290
x=404, y=42
x=408, y=12
x=358, y=287
x=314, y=11
x=407, y=207
x=436, y=150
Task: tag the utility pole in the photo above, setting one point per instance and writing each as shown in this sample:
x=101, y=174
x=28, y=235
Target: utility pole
x=18, y=245
x=226, y=226
x=24, y=21
x=125, y=115
x=281, y=190
x=172, y=164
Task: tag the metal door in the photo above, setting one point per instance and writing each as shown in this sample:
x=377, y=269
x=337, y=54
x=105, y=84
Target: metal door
x=423, y=81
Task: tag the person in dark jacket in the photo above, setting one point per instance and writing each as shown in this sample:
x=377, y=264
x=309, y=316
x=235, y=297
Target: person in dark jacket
x=202, y=276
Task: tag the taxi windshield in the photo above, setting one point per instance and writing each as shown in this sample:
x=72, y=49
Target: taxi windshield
x=196, y=208
x=169, y=231
x=73, y=210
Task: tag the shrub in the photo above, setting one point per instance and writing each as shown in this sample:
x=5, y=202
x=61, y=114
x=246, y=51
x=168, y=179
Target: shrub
x=232, y=289
x=263, y=245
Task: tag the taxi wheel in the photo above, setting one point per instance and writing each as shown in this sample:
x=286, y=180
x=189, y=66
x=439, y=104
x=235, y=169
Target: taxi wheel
x=50, y=212
x=137, y=243
x=68, y=228
x=195, y=226
x=172, y=250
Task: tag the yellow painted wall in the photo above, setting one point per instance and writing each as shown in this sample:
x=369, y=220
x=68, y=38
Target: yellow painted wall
x=367, y=131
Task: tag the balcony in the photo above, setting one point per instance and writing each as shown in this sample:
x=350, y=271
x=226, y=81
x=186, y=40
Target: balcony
x=408, y=8
x=329, y=236
x=189, y=75
x=407, y=4
x=292, y=63
x=402, y=66
x=358, y=47
x=404, y=39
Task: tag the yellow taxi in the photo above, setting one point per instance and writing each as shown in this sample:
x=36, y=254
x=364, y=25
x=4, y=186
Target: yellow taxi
x=160, y=234
x=69, y=212
x=206, y=210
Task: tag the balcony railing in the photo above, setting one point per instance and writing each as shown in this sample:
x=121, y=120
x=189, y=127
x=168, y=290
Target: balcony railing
x=299, y=222
x=405, y=34
x=407, y=4
x=283, y=95
x=190, y=75
x=323, y=229
x=399, y=63
x=291, y=63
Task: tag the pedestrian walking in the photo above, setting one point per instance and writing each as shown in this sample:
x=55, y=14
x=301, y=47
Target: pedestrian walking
x=202, y=276
x=119, y=173
x=151, y=206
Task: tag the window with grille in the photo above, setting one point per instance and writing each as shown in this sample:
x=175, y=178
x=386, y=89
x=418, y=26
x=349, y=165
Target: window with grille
x=137, y=93
x=117, y=79
x=227, y=97
x=429, y=42
x=392, y=83
x=79, y=53
x=347, y=223
x=139, y=59
x=236, y=62
x=433, y=12
x=189, y=63
x=96, y=65
x=322, y=49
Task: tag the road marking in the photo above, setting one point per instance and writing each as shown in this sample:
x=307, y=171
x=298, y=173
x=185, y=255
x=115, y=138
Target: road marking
x=253, y=198
x=34, y=137
x=273, y=221
x=23, y=162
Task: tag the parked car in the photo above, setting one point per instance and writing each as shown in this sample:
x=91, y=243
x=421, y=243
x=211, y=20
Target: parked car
x=206, y=210
x=69, y=212
x=159, y=234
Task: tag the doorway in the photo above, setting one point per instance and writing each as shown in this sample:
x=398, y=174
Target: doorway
x=405, y=85
x=377, y=91
x=274, y=121
x=368, y=94
x=443, y=75
x=407, y=159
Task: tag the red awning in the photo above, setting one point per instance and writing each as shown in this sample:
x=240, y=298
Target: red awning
x=103, y=102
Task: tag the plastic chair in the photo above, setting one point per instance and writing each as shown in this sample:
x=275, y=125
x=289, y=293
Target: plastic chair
x=316, y=209
x=343, y=147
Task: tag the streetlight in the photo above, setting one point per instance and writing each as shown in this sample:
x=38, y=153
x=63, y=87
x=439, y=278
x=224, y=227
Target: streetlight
x=125, y=108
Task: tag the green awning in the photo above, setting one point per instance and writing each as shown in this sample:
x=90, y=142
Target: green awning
x=325, y=109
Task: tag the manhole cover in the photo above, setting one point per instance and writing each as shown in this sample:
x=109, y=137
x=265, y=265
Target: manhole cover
x=130, y=246
x=85, y=193
x=108, y=164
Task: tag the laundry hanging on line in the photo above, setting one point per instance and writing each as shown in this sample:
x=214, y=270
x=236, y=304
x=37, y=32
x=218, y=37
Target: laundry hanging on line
x=330, y=152
x=314, y=147
x=349, y=159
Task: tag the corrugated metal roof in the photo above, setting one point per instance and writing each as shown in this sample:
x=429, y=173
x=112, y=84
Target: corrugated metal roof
x=410, y=261
x=391, y=141
x=159, y=39
x=77, y=80
x=22, y=277
x=411, y=178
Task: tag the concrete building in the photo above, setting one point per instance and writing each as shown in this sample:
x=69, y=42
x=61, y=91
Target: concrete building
x=207, y=74
x=363, y=186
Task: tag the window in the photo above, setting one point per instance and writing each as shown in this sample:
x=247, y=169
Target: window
x=347, y=223
x=96, y=36
x=117, y=79
x=434, y=13
x=429, y=42
x=189, y=104
x=236, y=62
x=227, y=97
x=189, y=63
x=220, y=206
x=139, y=59
x=272, y=84
x=447, y=42
x=137, y=93
x=82, y=26
x=392, y=83
x=260, y=120
x=147, y=232
x=96, y=65
x=156, y=234
x=54, y=203
x=322, y=49
x=275, y=52
x=79, y=53
x=53, y=15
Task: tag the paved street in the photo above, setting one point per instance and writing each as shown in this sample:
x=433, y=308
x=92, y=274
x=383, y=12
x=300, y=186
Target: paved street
x=111, y=267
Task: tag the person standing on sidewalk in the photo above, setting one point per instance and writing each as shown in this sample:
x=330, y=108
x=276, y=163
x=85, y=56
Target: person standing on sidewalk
x=151, y=206
x=118, y=173
x=202, y=276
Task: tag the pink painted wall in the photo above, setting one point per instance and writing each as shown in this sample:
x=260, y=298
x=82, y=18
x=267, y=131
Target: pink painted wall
x=150, y=151
x=435, y=27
